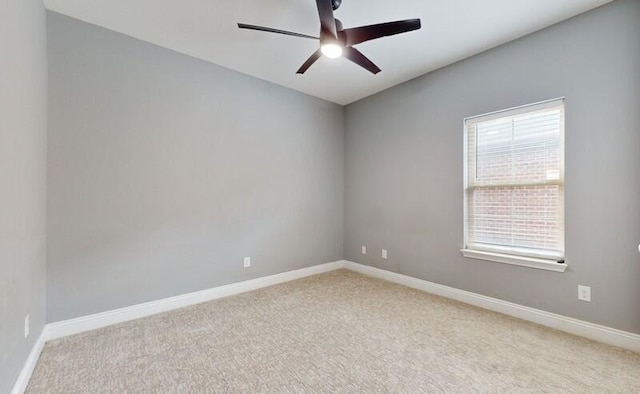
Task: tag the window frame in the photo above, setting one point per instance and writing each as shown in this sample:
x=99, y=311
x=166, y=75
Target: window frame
x=506, y=254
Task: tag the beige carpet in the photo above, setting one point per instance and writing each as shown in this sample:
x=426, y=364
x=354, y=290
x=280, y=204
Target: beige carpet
x=336, y=332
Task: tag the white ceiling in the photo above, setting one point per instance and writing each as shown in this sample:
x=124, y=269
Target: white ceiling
x=206, y=29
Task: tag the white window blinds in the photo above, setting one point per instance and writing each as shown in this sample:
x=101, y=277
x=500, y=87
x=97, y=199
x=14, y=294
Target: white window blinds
x=514, y=181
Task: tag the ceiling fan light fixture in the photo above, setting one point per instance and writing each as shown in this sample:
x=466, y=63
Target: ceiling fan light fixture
x=331, y=50
x=336, y=41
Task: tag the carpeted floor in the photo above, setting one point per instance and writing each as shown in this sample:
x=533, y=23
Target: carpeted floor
x=335, y=332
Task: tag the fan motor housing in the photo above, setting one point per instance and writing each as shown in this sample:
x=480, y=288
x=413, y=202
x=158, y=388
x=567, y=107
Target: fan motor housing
x=336, y=4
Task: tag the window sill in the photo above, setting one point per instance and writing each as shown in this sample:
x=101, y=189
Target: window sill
x=530, y=262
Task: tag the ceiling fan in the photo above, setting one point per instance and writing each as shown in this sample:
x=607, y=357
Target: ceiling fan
x=336, y=41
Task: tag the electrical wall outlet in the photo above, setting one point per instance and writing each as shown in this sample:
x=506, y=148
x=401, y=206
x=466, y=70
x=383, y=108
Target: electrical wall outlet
x=364, y=249
x=247, y=262
x=584, y=293
x=384, y=254
x=26, y=326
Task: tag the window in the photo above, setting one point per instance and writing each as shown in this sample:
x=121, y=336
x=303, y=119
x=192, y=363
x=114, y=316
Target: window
x=514, y=186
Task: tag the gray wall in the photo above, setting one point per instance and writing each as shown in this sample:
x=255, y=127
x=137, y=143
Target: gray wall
x=404, y=166
x=23, y=127
x=165, y=171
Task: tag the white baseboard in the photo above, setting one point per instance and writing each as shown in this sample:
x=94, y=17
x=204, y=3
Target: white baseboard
x=91, y=322
x=23, y=379
x=64, y=328
x=581, y=328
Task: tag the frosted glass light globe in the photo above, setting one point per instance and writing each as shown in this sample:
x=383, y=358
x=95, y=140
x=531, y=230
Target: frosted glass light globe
x=331, y=50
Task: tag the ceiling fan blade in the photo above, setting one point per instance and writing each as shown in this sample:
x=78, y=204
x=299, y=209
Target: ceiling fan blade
x=361, y=60
x=316, y=55
x=327, y=20
x=278, y=31
x=361, y=34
